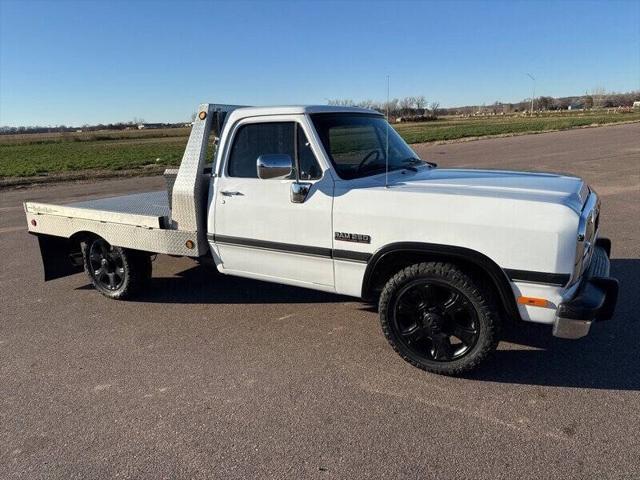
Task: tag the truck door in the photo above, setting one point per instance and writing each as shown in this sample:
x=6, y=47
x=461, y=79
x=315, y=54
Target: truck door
x=262, y=228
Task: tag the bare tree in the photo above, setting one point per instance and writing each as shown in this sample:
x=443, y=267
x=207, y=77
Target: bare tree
x=406, y=105
x=392, y=106
x=545, y=103
x=420, y=103
x=368, y=103
x=434, y=107
x=377, y=106
x=588, y=101
x=598, y=94
x=341, y=102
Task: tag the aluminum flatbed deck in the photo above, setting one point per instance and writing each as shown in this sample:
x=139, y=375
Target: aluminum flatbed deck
x=141, y=221
x=149, y=209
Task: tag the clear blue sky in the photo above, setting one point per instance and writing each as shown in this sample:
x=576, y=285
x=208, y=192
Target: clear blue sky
x=76, y=62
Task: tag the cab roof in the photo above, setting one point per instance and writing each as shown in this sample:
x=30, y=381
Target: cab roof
x=244, y=112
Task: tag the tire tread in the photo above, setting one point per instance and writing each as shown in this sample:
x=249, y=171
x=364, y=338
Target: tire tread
x=482, y=298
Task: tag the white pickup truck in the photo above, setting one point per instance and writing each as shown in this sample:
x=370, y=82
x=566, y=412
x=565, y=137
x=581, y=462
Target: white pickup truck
x=333, y=199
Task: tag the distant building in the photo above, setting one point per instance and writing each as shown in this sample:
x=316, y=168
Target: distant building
x=636, y=104
x=150, y=126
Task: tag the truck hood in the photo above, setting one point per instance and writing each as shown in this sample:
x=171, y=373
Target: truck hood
x=544, y=187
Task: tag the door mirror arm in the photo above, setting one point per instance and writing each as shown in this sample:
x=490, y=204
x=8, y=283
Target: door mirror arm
x=299, y=191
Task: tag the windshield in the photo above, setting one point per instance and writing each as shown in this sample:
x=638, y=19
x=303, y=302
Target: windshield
x=357, y=144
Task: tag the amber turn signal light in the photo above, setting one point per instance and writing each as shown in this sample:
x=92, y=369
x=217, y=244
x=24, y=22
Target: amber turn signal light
x=533, y=301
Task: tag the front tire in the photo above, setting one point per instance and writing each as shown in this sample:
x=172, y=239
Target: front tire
x=115, y=272
x=438, y=318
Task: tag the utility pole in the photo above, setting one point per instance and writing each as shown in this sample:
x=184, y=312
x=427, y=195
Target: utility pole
x=533, y=94
x=386, y=153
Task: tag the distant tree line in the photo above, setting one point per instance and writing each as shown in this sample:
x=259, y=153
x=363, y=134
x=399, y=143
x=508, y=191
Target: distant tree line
x=415, y=108
x=597, y=98
x=411, y=108
x=85, y=128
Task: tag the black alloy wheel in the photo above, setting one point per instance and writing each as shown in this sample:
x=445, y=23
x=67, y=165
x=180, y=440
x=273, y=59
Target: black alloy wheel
x=107, y=265
x=115, y=272
x=435, y=320
x=439, y=318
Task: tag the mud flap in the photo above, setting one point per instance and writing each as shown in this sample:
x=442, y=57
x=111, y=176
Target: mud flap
x=58, y=257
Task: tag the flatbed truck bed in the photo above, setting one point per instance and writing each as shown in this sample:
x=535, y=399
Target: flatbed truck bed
x=169, y=222
x=141, y=221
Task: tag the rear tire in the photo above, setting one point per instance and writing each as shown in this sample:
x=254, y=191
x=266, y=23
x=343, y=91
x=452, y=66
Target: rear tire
x=439, y=319
x=116, y=272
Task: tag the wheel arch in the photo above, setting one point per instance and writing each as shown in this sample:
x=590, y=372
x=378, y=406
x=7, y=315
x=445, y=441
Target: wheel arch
x=78, y=237
x=393, y=257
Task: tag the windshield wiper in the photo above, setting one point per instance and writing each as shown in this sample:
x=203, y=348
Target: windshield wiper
x=418, y=161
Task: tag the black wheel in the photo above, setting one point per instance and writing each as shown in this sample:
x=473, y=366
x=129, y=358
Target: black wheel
x=438, y=318
x=114, y=271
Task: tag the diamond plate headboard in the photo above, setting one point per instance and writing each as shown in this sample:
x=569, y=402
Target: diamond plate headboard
x=187, y=189
x=188, y=209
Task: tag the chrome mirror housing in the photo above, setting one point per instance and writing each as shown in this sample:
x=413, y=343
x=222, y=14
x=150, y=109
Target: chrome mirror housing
x=277, y=165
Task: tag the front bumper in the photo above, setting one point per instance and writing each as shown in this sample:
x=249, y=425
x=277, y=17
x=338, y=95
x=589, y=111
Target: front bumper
x=595, y=298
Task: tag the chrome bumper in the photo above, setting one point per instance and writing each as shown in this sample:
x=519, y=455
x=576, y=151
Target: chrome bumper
x=571, y=329
x=595, y=298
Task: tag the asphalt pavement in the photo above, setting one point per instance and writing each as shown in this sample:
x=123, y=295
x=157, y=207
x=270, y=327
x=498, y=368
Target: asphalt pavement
x=207, y=376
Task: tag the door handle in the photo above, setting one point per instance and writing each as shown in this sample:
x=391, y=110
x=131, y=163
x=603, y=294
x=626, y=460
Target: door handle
x=228, y=193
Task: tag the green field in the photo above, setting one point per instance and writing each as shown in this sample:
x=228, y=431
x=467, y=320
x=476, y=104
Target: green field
x=443, y=130
x=29, y=155
x=43, y=158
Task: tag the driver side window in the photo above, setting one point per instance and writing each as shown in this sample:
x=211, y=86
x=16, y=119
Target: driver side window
x=255, y=139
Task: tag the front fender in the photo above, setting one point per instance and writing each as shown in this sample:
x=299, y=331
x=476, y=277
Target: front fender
x=446, y=253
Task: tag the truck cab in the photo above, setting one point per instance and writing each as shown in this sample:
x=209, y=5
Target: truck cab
x=333, y=199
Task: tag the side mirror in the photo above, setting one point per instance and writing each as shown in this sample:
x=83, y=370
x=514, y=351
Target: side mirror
x=277, y=165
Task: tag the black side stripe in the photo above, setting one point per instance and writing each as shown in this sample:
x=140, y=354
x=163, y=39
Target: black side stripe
x=538, y=277
x=360, y=257
x=281, y=247
x=560, y=279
